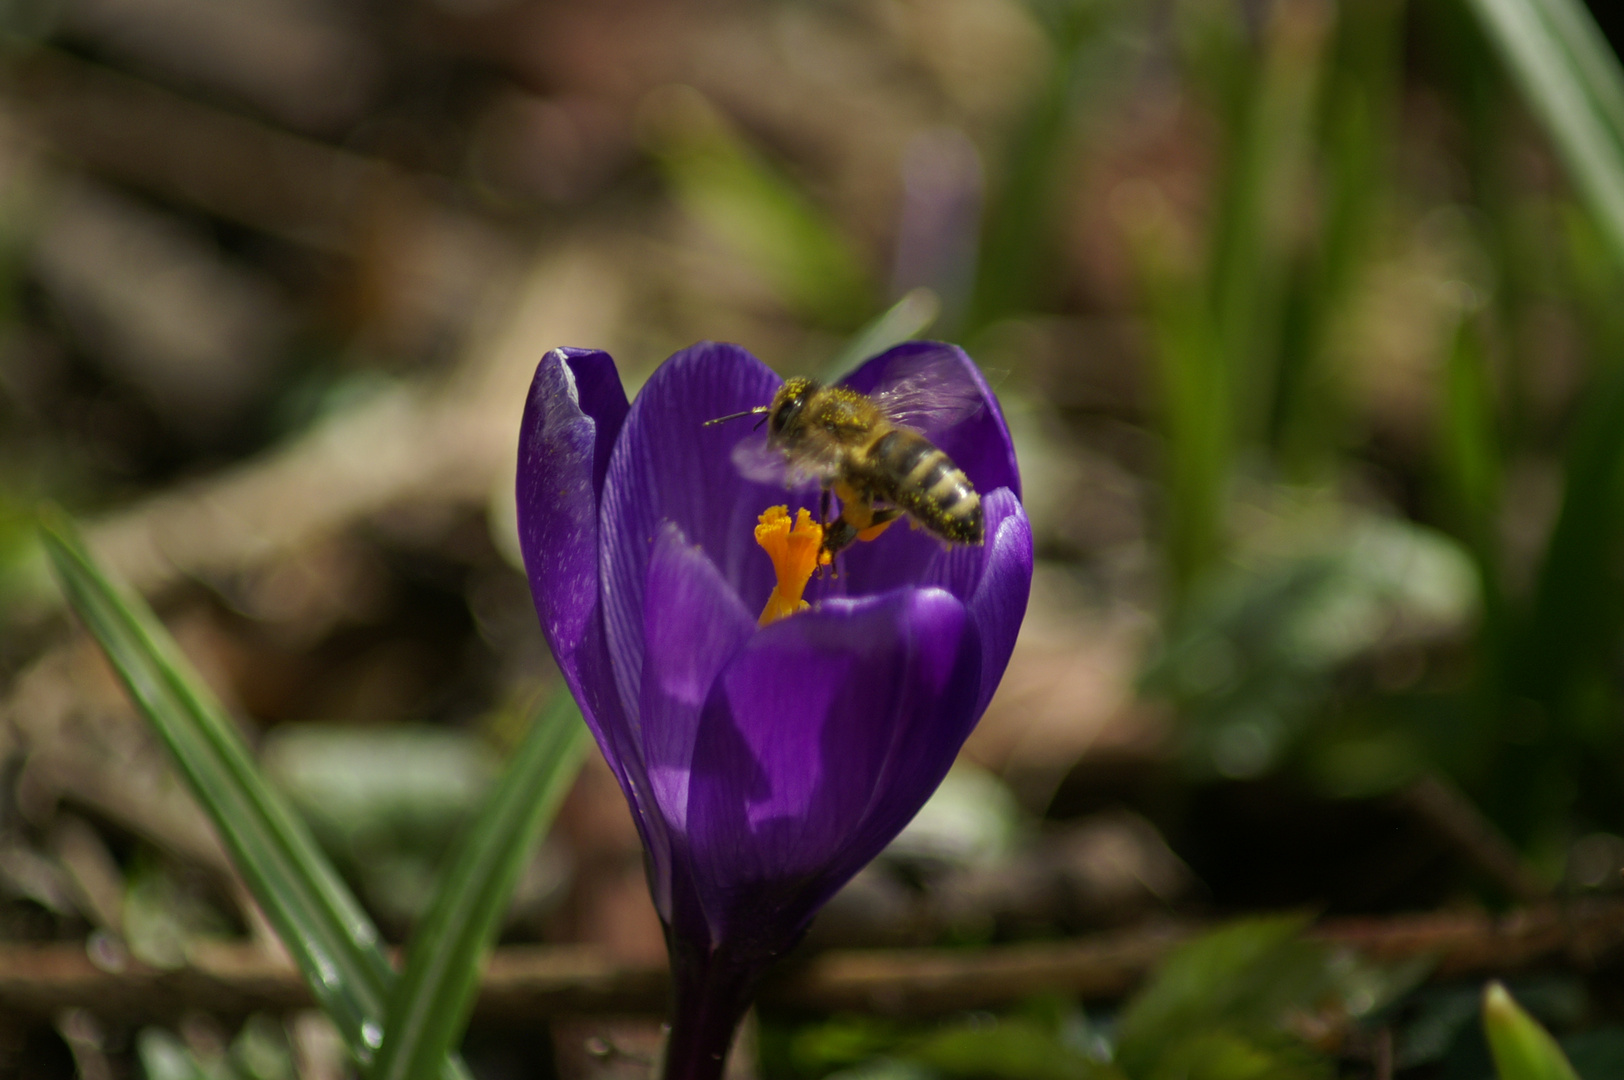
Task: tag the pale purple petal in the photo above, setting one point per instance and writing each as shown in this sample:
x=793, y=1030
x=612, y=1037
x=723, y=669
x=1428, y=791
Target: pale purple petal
x=693, y=625
x=667, y=466
x=993, y=580
x=820, y=741
x=999, y=602
x=572, y=417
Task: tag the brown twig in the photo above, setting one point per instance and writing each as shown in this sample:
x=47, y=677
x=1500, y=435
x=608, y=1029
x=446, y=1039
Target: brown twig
x=1382, y=1054
x=1453, y=818
x=536, y=981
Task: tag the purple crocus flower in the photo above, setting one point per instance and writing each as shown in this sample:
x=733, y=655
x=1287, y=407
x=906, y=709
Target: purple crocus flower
x=764, y=765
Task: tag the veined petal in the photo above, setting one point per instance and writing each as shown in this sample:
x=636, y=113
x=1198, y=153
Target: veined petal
x=667, y=466
x=993, y=580
x=999, y=602
x=574, y=412
x=572, y=417
x=694, y=624
x=818, y=743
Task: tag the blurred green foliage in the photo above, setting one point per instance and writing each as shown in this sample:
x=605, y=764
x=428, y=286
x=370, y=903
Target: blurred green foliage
x=765, y=216
x=385, y=803
x=1247, y=318
x=1018, y=250
x=1252, y=662
x=1231, y=1005
x=259, y=1052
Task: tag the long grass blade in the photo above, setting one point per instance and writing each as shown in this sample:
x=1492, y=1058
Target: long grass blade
x=1572, y=82
x=436, y=990
x=1249, y=262
x=1019, y=234
x=797, y=247
x=1574, y=85
x=1362, y=80
x=902, y=321
x=324, y=929
x=1598, y=66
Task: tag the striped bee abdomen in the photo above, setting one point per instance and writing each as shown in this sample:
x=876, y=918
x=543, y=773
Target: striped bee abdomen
x=910, y=472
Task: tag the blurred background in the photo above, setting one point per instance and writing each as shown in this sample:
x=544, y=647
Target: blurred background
x=1313, y=357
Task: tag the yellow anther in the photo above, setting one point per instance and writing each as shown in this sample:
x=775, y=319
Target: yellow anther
x=796, y=551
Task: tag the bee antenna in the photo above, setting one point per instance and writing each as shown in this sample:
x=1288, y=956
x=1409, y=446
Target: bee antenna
x=734, y=416
x=758, y=423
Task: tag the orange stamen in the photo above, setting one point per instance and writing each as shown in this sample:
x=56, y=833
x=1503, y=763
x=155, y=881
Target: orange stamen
x=796, y=551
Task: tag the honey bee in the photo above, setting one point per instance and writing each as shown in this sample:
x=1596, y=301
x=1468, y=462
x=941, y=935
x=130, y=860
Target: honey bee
x=861, y=450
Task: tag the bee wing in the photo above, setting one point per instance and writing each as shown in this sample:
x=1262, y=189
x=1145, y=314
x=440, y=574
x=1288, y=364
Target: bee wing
x=764, y=464
x=928, y=392
x=756, y=461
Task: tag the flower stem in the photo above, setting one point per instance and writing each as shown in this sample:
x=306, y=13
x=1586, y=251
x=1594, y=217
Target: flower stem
x=712, y=996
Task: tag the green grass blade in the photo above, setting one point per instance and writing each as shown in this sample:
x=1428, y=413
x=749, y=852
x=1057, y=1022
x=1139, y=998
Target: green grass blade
x=1195, y=418
x=1549, y=668
x=1019, y=234
x=1571, y=81
x=1598, y=66
x=1249, y=265
x=324, y=929
x=1469, y=442
x=902, y=321
x=796, y=246
x=1573, y=613
x=1356, y=133
x=436, y=990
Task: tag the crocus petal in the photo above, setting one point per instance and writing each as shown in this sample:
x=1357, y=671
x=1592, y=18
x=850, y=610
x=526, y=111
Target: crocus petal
x=574, y=413
x=818, y=743
x=572, y=418
x=694, y=623
x=668, y=466
x=993, y=580
x=999, y=602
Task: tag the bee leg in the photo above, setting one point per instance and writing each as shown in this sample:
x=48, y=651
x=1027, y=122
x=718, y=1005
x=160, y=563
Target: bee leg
x=823, y=508
x=838, y=535
x=878, y=521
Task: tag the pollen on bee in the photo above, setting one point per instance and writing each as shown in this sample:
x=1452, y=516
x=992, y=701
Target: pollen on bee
x=796, y=551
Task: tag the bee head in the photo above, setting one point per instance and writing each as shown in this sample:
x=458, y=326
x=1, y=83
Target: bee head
x=788, y=404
